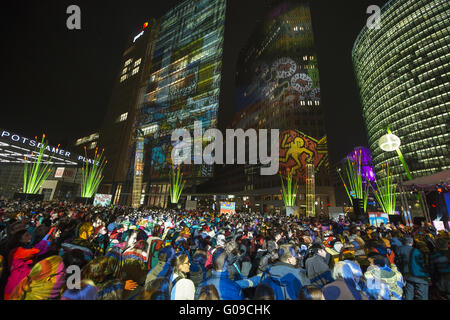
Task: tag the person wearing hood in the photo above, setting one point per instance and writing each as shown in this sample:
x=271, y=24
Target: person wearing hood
x=21, y=255
x=383, y=282
x=44, y=282
x=227, y=289
x=284, y=277
x=347, y=284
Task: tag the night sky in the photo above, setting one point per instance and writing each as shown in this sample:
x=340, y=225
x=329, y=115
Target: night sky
x=59, y=82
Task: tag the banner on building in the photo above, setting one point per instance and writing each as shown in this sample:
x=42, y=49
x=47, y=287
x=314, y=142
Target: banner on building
x=102, y=200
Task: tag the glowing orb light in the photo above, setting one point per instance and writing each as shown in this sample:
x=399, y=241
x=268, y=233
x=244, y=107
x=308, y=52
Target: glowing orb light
x=389, y=142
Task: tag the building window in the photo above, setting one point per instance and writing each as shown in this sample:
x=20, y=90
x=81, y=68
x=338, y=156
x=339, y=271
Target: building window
x=92, y=145
x=128, y=62
x=124, y=70
x=123, y=117
x=137, y=62
x=135, y=70
x=149, y=130
x=123, y=78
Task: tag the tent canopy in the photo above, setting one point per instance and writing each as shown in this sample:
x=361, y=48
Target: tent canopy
x=431, y=180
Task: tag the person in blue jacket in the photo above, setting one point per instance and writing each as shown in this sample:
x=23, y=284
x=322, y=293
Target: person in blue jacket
x=284, y=277
x=227, y=289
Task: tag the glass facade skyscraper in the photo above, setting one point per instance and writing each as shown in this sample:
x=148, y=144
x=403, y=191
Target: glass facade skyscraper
x=183, y=87
x=403, y=72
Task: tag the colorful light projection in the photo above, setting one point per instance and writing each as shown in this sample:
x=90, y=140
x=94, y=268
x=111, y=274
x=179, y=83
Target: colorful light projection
x=297, y=150
x=357, y=191
x=289, y=192
x=92, y=174
x=184, y=82
x=34, y=175
x=385, y=192
x=176, y=184
x=362, y=155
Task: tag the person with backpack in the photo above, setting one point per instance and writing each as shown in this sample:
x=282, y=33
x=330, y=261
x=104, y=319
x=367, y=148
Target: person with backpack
x=284, y=277
x=384, y=282
x=411, y=264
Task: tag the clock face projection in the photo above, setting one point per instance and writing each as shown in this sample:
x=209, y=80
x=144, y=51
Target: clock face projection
x=284, y=67
x=315, y=94
x=301, y=82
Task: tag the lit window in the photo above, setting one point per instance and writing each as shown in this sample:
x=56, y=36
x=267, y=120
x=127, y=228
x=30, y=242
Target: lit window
x=79, y=141
x=123, y=78
x=138, y=62
x=124, y=70
x=151, y=129
x=128, y=62
x=123, y=117
x=135, y=70
x=92, y=145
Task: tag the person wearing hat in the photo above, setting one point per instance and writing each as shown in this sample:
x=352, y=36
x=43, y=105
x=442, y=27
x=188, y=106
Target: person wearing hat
x=21, y=256
x=347, y=284
x=383, y=282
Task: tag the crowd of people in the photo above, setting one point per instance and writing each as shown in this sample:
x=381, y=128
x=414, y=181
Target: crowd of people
x=66, y=251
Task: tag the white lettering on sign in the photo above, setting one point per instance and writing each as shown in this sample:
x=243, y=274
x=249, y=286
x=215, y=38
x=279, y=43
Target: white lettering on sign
x=33, y=143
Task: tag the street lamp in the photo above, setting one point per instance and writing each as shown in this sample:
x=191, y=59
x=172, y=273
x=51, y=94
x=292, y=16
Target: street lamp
x=390, y=142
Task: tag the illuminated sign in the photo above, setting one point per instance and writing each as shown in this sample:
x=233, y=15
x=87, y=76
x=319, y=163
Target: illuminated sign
x=102, y=200
x=227, y=207
x=33, y=143
x=17, y=139
x=138, y=36
x=377, y=218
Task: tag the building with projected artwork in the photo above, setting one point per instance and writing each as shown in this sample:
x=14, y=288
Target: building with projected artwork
x=183, y=86
x=403, y=72
x=278, y=87
x=118, y=131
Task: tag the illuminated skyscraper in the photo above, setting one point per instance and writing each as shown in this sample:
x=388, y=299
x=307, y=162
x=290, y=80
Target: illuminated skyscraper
x=403, y=71
x=278, y=87
x=118, y=130
x=183, y=87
